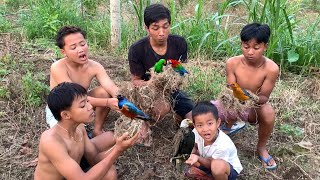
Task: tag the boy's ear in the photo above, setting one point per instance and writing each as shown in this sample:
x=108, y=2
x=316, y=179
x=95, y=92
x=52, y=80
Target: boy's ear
x=146, y=28
x=65, y=115
x=219, y=122
x=63, y=52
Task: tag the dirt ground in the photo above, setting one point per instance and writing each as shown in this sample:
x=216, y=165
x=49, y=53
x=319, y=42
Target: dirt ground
x=22, y=125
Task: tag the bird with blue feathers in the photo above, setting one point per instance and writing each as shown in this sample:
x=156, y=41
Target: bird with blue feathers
x=130, y=110
x=177, y=67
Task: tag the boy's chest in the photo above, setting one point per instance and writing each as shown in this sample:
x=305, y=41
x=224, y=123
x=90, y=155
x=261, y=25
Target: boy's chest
x=76, y=151
x=83, y=78
x=251, y=80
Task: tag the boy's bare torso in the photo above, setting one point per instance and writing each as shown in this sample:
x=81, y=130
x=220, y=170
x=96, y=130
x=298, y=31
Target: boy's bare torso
x=75, y=149
x=250, y=77
x=63, y=70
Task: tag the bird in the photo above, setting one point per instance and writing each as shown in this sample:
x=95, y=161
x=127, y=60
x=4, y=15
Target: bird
x=130, y=110
x=177, y=67
x=184, y=141
x=239, y=92
x=158, y=67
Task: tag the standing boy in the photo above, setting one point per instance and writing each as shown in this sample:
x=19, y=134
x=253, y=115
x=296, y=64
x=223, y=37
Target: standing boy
x=257, y=73
x=159, y=44
x=62, y=146
x=214, y=153
x=76, y=67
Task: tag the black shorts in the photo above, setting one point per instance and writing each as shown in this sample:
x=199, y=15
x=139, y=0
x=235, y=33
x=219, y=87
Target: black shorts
x=181, y=103
x=232, y=176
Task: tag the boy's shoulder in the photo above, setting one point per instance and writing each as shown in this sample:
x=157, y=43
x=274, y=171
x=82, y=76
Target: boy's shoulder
x=271, y=65
x=141, y=43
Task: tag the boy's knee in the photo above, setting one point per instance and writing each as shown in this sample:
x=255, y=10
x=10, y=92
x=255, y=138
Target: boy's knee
x=99, y=92
x=111, y=174
x=267, y=112
x=219, y=167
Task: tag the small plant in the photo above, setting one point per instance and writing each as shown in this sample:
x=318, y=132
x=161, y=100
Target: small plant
x=291, y=130
x=34, y=89
x=5, y=25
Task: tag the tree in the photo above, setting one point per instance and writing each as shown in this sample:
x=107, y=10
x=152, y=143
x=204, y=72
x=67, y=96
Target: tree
x=115, y=23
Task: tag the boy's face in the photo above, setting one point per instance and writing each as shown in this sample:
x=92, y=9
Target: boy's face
x=75, y=48
x=81, y=110
x=252, y=50
x=159, y=31
x=207, y=127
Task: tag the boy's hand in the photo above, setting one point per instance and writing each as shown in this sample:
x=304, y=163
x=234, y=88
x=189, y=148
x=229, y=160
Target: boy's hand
x=192, y=159
x=123, y=143
x=113, y=104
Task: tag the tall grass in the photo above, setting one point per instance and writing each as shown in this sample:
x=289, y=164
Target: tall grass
x=212, y=34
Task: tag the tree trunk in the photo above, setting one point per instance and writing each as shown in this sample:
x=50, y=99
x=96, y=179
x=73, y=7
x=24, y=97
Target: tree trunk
x=115, y=20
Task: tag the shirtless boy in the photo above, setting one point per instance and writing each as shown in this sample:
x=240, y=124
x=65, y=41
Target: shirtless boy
x=257, y=73
x=62, y=146
x=76, y=67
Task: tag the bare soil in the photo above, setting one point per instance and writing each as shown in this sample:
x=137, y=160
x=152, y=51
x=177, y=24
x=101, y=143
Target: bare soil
x=21, y=126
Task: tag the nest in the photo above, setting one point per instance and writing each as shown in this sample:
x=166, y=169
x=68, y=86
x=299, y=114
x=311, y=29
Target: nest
x=233, y=105
x=124, y=124
x=157, y=90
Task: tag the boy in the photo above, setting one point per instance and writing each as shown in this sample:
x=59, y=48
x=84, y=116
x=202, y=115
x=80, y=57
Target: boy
x=62, y=146
x=76, y=67
x=159, y=44
x=214, y=153
x=257, y=73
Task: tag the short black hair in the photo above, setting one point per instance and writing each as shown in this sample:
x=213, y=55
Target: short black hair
x=62, y=96
x=259, y=32
x=156, y=12
x=66, y=30
x=205, y=107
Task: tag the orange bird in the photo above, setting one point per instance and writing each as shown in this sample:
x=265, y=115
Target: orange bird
x=240, y=93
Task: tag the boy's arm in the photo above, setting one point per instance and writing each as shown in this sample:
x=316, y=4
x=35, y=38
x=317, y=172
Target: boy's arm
x=230, y=71
x=268, y=84
x=57, y=153
x=105, y=81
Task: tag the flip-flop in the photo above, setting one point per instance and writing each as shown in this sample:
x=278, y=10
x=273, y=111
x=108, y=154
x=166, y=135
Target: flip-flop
x=267, y=160
x=237, y=126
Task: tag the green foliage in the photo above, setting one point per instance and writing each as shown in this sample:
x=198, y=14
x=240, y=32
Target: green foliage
x=204, y=84
x=4, y=92
x=139, y=7
x=34, y=89
x=291, y=130
x=5, y=25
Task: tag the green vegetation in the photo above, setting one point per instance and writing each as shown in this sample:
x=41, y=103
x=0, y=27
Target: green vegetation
x=211, y=33
x=34, y=89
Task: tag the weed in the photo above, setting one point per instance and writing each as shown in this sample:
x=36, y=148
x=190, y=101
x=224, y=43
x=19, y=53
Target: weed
x=34, y=89
x=291, y=130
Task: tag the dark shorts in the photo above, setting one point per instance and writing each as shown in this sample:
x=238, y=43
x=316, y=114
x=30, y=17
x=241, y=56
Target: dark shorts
x=232, y=176
x=181, y=103
x=84, y=164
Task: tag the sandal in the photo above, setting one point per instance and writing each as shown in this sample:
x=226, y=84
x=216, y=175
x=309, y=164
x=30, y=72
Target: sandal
x=237, y=126
x=267, y=161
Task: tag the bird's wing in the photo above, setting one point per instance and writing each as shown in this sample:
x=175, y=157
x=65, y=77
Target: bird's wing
x=133, y=109
x=177, y=139
x=246, y=93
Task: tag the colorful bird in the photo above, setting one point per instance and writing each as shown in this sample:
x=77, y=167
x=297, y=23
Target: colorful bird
x=177, y=67
x=158, y=67
x=240, y=93
x=130, y=110
x=183, y=143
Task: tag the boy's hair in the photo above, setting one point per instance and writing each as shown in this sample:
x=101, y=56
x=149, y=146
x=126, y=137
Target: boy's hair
x=66, y=30
x=62, y=96
x=259, y=32
x=205, y=107
x=156, y=12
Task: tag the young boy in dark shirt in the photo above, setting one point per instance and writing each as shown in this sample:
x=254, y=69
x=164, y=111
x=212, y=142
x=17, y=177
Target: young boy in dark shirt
x=159, y=44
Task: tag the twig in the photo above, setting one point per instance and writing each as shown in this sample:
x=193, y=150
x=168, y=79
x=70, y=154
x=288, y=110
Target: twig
x=301, y=169
x=274, y=175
